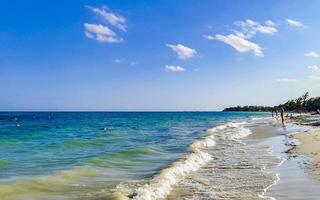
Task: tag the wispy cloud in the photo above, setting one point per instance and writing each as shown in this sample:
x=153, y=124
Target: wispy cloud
x=238, y=43
x=124, y=62
x=287, y=80
x=183, y=52
x=112, y=18
x=103, y=33
x=294, y=23
x=133, y=63
x=117, y=60
x=171, y=68
x=314, y=67
x=313, y=77
x=242, y=32
x=270, y=23
x=312, y=54
x=100, y=33
x=249, y=28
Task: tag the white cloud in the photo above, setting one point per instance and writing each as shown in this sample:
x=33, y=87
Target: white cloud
x=287, y=80
x=245, y=30
x=112, y=18
x=270, y=23
x=312, y=54
x=294, y=23
x=171, y=68
x=99, y=29
x=117, y=61
x=100, y=33
x=267, y=29
x=313, y=77
x=209, y=37
x=89, y=35
x=314, y=67
x=238, y=43
x=133, y=63
x=249, y=28
x=183, y=52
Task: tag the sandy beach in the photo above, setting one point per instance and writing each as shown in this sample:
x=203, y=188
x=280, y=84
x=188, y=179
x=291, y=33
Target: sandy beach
x=310, y=146
x=295, y=181
x=309, y=142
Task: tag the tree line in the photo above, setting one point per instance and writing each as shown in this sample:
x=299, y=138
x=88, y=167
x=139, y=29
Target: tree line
x=249, y=109
x=304, y=103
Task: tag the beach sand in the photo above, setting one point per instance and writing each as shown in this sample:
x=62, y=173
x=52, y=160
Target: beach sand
x=294, y=181
x=310, y=146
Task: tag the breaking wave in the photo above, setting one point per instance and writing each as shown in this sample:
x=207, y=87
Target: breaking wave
x=161, y=184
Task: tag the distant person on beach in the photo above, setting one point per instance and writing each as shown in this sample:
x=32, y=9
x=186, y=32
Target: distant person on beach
x=281, y=110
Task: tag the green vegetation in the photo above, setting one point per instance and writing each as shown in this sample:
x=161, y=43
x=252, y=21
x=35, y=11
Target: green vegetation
x=249, y=109
x=302, y=104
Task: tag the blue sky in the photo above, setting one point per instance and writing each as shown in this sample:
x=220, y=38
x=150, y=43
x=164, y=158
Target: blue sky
x=157, y=55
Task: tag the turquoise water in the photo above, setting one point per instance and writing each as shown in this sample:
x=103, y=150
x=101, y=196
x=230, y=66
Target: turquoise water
x=61, y=153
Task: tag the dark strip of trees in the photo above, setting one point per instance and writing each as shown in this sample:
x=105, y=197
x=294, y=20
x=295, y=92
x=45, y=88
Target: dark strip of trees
x=302, y=104
x=248, y=109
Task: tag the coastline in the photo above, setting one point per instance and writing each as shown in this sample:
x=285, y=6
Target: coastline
x=243, y=157
x=309, y=142
x=234, y=166
x=264, y=158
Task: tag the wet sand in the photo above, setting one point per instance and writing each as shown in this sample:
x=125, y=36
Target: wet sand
x=310, y=146
x=309, y=142
x=246, y=169
x=294, y=180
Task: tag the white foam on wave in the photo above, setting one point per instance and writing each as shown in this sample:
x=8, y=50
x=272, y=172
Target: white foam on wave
x=206, y=143
x=235, y=130
x=277, y=179
x=161, y=185
x=260, y=118
x=267, y=188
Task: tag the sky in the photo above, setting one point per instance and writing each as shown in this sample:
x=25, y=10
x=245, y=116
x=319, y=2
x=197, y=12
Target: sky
x=156, y=55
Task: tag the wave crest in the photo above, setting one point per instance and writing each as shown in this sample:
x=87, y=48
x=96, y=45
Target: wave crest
x=161, y=184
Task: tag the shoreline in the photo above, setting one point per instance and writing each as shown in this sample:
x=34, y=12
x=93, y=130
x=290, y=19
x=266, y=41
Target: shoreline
x=309, y=142
x=224, y=161
x=294, y=182
x=232, y=163
x=283, y=174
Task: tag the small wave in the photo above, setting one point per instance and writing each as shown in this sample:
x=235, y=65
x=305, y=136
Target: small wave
x=161, y=184
x=233, y=130
x=206, y=143
x=277, y=179
x=279, y=160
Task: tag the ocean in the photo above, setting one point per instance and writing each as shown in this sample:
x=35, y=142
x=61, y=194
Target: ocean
x=132, y=155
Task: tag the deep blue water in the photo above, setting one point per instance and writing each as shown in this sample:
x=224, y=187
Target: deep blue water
x=125, y=145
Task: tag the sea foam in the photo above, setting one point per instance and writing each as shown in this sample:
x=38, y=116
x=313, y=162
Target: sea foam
x=161, y=184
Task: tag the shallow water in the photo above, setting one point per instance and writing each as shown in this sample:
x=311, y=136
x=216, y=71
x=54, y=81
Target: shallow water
x=232, y=169
x=296, y=181
x=175, y=155
x=78, y=155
